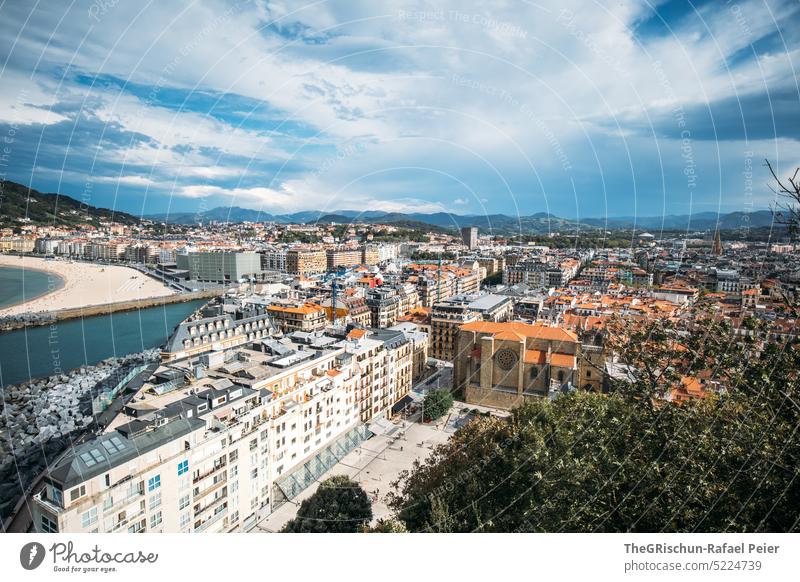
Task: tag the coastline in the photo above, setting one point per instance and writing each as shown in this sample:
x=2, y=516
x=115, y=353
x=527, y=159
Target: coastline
x=83, y=285
x=59, y=285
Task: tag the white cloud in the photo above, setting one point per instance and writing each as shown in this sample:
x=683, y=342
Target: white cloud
x=173, y=129
x=127, y=180
x=483, y=101
x=23, y=101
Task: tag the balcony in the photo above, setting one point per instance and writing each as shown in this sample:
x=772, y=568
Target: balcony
x=130, y=497
x=211, y=521
x=213, y=487
x=212, y=504
x=123, y=523
x=217, y=466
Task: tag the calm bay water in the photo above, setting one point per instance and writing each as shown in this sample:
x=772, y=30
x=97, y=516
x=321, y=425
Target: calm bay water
x=18, y=285
x=36, y=352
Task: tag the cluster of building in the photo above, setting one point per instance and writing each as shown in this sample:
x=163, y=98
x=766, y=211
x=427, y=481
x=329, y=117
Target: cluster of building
x=239, y=418
x=263, y=390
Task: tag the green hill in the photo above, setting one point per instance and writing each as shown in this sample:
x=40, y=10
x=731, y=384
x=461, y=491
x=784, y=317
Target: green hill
x=22, y=205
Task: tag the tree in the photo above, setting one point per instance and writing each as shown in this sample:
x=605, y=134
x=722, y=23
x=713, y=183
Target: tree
x=787, y=209
x=436, y=404
x=388, y=525
x=340, y=505
x=630, y=460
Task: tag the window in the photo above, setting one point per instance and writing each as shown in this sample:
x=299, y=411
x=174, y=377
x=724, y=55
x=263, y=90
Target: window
x=154, y=483
x=89, y=518
x=183, y=467
x=48, y=525
x=155, y=520
x=155, y=500
x=234, y=471
x=254, y=473
x=107, y=503
x=77, y=493
x=183, y=502
x=185, y=517
x=58, y=496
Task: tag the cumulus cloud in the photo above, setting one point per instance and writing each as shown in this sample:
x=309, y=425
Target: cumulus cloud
x=528, y=106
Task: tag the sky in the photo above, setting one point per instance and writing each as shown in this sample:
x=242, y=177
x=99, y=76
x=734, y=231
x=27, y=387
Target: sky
x=579, y=109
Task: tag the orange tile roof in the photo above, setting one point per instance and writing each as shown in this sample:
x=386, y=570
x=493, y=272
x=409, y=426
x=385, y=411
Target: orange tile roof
x=537, y=357
x=519, y=330
x=305, y=309
x=356, y=334
x=690, y=388
x=562, y=360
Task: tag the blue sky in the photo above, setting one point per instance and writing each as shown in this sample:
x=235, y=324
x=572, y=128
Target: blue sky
x=583, y=109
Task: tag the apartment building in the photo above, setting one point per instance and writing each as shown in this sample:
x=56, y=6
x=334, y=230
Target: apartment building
x=469, y=236
x=215, y=329
x=419, y=347
x=448, y=316
x=491, y=264
x=388, y=252
x=352, y=310
x=274, y=260
x=46, y=246
x=244, y=434
x=306, y=261
x=383, y=303
x=106, y=251
x=342, y=257
x=305, y=317
x=371, y=255
x=17, y=244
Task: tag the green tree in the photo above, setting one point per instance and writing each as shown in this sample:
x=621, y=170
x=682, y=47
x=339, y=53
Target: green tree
x=436, y=404
x=632, y=460
x=388, y=525
x=340, y=505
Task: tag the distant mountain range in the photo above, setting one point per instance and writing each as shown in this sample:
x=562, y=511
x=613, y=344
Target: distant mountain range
x=20, y=203
x=499, y=223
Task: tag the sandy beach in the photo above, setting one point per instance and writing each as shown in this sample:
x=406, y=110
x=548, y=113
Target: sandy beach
x=84, y=284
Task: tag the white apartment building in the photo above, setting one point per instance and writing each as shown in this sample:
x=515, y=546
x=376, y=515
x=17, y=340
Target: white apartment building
x=273, y=260
x=231, y=441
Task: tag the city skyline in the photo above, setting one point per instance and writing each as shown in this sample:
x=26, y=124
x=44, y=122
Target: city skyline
x=620, y=111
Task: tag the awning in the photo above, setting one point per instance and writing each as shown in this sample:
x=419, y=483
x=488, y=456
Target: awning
x=380, y=426
x=401, y=404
